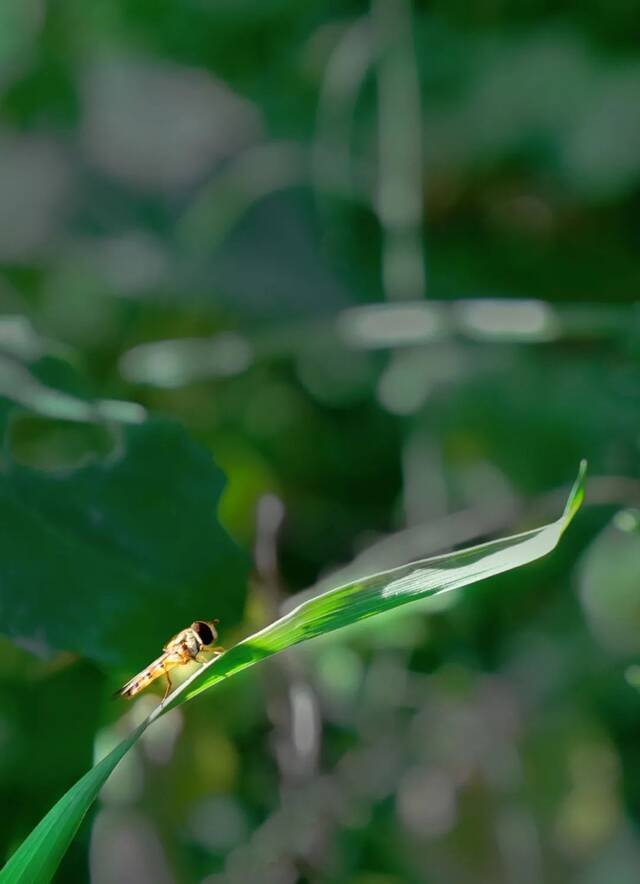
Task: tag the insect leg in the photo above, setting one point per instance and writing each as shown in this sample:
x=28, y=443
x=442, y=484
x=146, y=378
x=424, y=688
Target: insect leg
x=206, y=650
x=169, y=685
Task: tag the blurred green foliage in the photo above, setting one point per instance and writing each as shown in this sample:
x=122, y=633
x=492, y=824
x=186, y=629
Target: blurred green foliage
x=380, y=262
x=38, y=857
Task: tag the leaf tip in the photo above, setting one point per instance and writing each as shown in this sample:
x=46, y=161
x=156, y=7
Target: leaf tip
x=576, y=495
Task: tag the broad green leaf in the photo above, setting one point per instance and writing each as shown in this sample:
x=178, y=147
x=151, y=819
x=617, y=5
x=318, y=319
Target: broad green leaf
x=103, y=559
x=37, y=858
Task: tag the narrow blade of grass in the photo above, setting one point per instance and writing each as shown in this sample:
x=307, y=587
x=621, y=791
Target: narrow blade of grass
x=38, y=857
x=372, y=595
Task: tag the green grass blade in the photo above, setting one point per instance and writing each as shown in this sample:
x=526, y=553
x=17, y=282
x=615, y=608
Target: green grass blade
x=39, y=855
x=37, y=858
x=381, y=592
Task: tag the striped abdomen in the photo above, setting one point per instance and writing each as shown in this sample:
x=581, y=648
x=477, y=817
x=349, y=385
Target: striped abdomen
x=154, y=670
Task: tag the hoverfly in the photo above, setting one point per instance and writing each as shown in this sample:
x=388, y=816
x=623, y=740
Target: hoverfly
x=184, y=647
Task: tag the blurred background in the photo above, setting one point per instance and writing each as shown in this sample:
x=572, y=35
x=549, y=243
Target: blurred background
x=378, y=262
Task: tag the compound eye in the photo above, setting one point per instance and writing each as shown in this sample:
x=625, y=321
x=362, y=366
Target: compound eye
x=205, y=632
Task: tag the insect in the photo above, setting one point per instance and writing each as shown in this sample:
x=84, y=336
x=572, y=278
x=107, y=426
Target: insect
x=184, y=647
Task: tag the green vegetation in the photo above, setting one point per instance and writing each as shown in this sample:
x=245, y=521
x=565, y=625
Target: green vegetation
x=38, y=858
x=291, y=294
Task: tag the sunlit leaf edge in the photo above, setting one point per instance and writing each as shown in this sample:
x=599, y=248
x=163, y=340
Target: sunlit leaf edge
x=38, y=857
x=380, y=592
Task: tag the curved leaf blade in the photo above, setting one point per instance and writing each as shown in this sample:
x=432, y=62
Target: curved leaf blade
x=37, y=858
x=372, y=595
x=39, y=855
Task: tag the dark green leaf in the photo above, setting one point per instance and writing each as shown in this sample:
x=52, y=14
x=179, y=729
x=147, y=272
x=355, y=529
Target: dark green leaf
x=104, y=559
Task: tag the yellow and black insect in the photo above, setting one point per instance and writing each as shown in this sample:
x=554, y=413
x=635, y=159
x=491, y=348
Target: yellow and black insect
x=187, y=645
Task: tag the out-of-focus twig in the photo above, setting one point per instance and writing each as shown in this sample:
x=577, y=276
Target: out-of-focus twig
x=293, y=709
x=332, y=168
x=293, y=705
x=399, y=196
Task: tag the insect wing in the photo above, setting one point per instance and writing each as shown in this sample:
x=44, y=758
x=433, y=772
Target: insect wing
x=176, y=643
